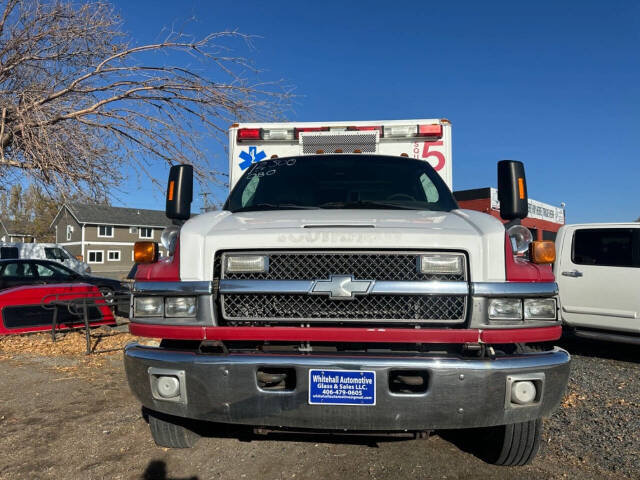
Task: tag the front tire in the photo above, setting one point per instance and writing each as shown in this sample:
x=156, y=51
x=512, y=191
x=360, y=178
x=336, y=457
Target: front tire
x=511, y=445
x=166, y=432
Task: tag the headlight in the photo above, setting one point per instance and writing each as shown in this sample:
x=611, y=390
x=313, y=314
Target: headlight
x=247, y=264
x=540, y=309
x=180, y=307
x=442, y=263
x=521, y=237
x=505, y=309
x=168, y=238
x=148, y=306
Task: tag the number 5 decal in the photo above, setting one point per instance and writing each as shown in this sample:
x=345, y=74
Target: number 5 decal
x=440, y=156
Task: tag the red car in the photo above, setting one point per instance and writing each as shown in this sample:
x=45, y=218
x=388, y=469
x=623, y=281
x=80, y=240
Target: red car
x=31, y=308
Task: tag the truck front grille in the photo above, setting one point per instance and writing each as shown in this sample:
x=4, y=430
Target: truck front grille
x=375, y=309
x=391, y=308
x=362, y=265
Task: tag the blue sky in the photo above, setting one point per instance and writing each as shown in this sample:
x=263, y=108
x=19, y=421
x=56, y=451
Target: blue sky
x=553, y=84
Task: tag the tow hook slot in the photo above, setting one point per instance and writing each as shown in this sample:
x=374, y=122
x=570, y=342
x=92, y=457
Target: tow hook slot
x=408, y=381
x=276, y=379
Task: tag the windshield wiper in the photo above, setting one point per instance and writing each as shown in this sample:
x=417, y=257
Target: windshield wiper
x=367, y=204
x=273, y=206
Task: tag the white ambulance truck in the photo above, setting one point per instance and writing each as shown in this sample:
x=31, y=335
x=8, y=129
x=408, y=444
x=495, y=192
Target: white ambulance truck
x=426, y=139
x=342, y=288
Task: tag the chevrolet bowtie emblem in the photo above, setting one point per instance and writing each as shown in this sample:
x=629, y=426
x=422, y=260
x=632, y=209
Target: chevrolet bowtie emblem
x=341, y=287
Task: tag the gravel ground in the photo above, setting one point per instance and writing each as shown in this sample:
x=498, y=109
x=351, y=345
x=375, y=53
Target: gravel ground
x=599, y=422
x=69, y=416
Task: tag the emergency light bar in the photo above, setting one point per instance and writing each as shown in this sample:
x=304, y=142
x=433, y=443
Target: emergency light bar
x=277, y=134
x=249, y=134
x=391, y=131
x=297, y=131
x=400, y=131
x=430, y=131
x=365, y=129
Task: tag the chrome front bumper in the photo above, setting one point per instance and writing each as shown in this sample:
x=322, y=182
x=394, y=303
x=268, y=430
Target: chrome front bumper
x=461, y=393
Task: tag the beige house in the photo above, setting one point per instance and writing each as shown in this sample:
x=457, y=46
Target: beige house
x=104, y=236
x=11, y=231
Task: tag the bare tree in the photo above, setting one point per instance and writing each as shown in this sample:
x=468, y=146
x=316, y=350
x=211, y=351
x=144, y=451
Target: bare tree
x=79, y=101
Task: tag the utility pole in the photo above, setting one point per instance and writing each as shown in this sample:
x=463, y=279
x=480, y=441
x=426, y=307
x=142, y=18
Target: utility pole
x=206, y=207
x=205, y=201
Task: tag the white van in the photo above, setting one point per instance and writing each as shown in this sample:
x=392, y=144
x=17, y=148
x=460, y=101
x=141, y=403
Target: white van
x=598, y=274
x=49, y=251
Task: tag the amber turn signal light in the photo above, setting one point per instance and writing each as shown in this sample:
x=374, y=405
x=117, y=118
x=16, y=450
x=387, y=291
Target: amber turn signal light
x=542, y=252
x=145, y=252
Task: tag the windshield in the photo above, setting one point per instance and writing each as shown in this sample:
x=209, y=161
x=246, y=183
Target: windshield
x=340, y=181
x=52, y=269
x=54, y=253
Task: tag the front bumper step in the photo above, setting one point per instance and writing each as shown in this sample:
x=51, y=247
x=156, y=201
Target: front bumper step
x=460, y=393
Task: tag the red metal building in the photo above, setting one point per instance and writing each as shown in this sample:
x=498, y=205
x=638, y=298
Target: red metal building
x=544, y=220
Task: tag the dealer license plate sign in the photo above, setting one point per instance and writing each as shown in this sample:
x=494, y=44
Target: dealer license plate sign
x=342, y=387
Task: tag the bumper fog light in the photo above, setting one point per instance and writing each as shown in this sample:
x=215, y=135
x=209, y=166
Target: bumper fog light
x=180, y=307
x=505, y=309
x=523, y=392
x=168, y=387
x=148, y=306
x=540, y=309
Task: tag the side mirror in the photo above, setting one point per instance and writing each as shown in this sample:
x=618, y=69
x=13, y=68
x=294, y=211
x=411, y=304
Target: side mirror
x=512, y=190
x=179, y=192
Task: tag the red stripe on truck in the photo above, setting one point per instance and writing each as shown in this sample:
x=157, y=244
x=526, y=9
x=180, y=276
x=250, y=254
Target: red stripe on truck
x=522, y=335
x=320, y=334
x=167, y=331
x=368, y=335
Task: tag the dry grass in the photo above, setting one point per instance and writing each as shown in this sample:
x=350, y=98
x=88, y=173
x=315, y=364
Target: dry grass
x=105, y=343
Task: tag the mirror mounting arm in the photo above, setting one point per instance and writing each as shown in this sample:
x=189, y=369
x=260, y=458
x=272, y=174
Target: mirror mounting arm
x=511, y=223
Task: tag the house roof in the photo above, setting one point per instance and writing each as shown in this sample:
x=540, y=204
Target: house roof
x=107, y=215
x=14, y=228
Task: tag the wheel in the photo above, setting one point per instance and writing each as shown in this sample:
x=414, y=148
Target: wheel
x=168, y=433
x=510, y=445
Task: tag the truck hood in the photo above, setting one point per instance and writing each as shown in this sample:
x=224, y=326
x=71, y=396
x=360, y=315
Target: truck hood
x=478, y=234
x=286, y=219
